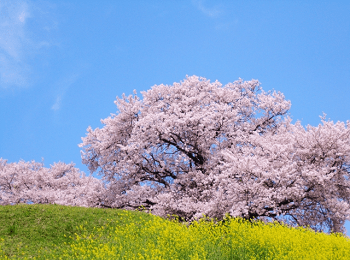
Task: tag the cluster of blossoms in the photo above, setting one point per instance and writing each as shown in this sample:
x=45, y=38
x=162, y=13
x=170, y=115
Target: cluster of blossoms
x=26, y=182
x=200, y=148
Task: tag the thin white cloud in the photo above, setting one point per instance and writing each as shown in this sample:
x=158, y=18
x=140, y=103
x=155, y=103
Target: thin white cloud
x=62, y=86
x=57, y=104
x=17, y=47
x=211, y=12
x=13, y=71
x=221, y=21
x=23, y=16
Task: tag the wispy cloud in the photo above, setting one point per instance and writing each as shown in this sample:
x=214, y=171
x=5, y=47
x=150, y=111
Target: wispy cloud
x=62, y=86
x=221, y=22
x=17, y=47
x=13, y=70
x=57, y=104
x=211, y=12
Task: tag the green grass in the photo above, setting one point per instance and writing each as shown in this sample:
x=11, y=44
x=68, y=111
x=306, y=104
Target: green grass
x=43, y=231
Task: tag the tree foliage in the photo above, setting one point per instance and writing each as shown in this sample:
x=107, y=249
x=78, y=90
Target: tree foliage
x=26, y=182
x=201, y=148
x=197, y=148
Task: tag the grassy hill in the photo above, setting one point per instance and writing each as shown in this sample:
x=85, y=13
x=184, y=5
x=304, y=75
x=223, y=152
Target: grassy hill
x=42, y=231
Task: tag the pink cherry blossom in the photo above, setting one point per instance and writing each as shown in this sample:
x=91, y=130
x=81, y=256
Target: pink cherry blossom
x=206, y=149
x=200, y=148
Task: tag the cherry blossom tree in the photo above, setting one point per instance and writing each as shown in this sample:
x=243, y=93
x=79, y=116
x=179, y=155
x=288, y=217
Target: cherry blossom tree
x=26, y=182
x=200, y=148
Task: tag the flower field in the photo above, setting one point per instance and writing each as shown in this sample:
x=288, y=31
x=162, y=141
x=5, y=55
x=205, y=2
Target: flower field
x=41, y=231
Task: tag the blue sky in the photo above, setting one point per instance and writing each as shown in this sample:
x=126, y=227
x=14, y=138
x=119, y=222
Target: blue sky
x=62, y=63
